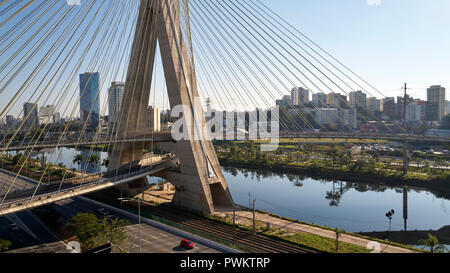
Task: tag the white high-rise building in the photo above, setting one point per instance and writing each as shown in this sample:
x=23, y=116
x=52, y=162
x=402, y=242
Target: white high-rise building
x=115, y=96
x=299, y=96
x=154, y=118
x=436, y=103
x=47, y=114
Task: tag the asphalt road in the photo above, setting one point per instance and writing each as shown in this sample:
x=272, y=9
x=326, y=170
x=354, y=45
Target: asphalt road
x=153, y=240
x=20, y=185
x=33, y=235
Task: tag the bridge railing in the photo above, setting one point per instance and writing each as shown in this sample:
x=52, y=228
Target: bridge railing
x=73, y=189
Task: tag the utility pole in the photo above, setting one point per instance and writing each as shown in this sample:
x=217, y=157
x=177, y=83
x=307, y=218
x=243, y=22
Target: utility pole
x=405, y=126
x=140, y=234
x=254, y=217
x=234, y=224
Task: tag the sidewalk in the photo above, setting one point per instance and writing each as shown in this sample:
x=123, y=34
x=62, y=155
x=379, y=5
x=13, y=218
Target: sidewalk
x=245, y=218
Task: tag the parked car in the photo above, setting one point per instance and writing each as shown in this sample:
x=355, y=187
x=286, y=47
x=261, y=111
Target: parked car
x=13, y=227
x=187, y=244
x=103, y=212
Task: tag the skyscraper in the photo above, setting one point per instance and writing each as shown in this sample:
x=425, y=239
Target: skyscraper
x=319, y=99
x=33, y=119
x=46, y=114
x=358, y=98
x=154, y=116
x=90, y=99
x=115, y=96
x=300, y=96
x=436, y=103
x=336, y=100
x=373, y=104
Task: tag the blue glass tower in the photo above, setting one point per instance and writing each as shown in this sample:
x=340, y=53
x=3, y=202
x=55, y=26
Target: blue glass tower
x=90, y=97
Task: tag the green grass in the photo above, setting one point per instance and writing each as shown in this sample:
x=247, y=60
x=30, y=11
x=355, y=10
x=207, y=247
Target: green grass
x=324, y=244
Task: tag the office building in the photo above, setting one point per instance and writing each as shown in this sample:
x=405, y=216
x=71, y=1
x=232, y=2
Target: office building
x=435, y=103
x=285, y=102
x=299, y=96
x=319, y=100
x=30, y=111
x=154, y=117
x=115, y=96
x=358, y=99
x=349, y=118
x=373, y=105
x=336, y=100
x=46, y=114
x=90, y=100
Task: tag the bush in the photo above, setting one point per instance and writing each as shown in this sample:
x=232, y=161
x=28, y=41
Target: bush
x=4, y=245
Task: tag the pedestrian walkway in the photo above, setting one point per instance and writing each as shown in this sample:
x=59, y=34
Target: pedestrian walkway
x=246, y=218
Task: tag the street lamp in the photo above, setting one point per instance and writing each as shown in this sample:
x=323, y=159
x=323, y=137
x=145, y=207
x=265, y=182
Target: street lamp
x=139, y=213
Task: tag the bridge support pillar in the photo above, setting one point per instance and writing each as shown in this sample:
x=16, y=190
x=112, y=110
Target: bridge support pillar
x=200, y=184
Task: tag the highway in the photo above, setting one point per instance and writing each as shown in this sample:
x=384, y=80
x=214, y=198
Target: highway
x=21, y=184
x=32, y=237
x=154, y=240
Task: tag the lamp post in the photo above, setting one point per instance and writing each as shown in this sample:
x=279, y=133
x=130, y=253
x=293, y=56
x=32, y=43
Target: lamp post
x=389, y=215
x=139, y=214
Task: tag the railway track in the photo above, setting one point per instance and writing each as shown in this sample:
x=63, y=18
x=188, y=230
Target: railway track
x=244, y=238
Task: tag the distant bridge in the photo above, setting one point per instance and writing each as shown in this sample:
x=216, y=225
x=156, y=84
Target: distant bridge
x=374, y=136
x=72, y=143
x=167, y=137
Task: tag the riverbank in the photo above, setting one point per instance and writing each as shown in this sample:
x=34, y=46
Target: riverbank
x=439, y=187
x=314, y=236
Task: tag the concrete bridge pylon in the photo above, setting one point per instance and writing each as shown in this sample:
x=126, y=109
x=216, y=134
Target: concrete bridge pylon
x=200, y=184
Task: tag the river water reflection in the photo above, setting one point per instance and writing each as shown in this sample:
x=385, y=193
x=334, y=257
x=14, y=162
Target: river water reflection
x=353, y=207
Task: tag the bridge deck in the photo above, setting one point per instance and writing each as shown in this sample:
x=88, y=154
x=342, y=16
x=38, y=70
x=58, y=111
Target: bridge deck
x=52, y=193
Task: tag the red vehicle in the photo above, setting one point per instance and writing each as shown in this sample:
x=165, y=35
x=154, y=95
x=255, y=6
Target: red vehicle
x=187, y=244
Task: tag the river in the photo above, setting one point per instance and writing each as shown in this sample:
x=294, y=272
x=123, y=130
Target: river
x=354, y=207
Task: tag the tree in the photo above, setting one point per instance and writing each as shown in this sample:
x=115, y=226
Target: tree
x=78, y=159
x=4, y=245
x=338, y=235
x=105, y=162
x=18, y=158
x=113, y=231
x=432, y=243
x=86, y=227
x=94, y=159
x=93, y=232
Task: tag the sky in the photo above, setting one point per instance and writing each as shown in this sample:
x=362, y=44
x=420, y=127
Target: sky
x=388, y=42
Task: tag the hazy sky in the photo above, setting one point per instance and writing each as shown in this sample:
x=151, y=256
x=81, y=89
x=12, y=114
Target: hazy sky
x=389, y=42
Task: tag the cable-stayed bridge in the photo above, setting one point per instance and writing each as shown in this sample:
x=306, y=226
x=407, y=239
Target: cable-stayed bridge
x=239, y=54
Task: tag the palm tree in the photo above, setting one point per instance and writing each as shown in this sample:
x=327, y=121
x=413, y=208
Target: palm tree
x=105, y=162
x=94, y=160
x=78, y=159
x=432, y=243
